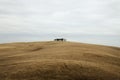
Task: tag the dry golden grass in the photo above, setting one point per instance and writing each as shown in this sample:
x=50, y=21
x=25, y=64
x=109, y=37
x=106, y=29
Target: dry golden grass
x=58, y=61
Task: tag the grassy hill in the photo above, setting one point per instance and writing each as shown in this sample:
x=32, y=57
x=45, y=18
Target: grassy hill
x=58, y=61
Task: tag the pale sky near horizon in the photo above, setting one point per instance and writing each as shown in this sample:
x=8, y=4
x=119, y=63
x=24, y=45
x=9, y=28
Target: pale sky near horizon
x=77, y=20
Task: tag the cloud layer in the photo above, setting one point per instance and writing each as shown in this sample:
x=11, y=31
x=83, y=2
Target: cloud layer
x=90, y=17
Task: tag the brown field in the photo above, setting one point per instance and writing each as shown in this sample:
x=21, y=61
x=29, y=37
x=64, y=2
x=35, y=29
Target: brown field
x=59, y=61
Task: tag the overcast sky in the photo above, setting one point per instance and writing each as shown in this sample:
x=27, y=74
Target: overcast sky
x=73, y=19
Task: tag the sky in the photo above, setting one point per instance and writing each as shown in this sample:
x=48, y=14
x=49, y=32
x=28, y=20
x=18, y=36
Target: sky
x=88, y=21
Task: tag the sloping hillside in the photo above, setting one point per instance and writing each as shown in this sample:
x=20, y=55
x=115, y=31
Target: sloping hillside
x=58, y=61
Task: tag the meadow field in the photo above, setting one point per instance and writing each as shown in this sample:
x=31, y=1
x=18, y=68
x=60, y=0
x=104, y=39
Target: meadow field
x=54, y=60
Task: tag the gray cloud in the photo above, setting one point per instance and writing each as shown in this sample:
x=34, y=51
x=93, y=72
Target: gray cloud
x=88, y=17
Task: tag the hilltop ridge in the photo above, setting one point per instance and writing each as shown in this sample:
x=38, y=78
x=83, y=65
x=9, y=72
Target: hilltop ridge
x=54, y=60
